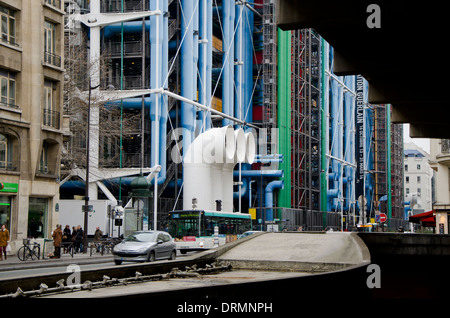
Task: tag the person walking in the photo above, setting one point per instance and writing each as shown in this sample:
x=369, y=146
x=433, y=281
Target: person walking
x=57, y=238
x=98, y=238
x=79, y=239
x=66, y=239
x=4, y=241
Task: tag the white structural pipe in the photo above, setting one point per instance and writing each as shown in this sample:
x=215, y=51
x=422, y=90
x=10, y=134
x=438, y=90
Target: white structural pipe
x=209, y=164
x=203, y=107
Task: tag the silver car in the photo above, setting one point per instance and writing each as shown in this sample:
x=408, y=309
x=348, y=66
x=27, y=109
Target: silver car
x=145, y=246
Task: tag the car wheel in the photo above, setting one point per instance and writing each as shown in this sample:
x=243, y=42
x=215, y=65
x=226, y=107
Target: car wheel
x=173, y=255
x=118, y=262
x=151, y=257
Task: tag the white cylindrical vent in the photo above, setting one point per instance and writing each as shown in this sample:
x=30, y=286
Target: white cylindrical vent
x=209, y=163
x=240, y=145
x=250, y=149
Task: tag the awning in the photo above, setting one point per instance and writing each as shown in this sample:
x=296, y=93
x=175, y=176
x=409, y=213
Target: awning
x=425, y=219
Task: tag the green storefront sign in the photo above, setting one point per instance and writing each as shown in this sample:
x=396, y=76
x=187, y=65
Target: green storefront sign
x=9, y=187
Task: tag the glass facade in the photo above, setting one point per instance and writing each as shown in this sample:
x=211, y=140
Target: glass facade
x=37, y=217
x=5, y=211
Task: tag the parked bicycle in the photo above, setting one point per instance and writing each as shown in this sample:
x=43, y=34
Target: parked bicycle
x=29, y=251
x=102, y=247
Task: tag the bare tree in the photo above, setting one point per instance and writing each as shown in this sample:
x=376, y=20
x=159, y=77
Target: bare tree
x=114, y=125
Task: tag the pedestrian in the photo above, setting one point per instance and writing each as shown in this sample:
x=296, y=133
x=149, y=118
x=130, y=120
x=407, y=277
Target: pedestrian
x=57, y=238
x=98, y=238
x=4, y=241
x=73, y=239
x=66, y=238
x=79, y=239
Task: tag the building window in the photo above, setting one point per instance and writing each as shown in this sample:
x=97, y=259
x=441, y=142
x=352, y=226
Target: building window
x=407, y=179
x=418, y=179
x=50, y=116
x=8, y=25
x=418, y=167
x=419, y=191
x=50, y=56
x=5, y=211
x=406, y=167
x=43, y=162
x=407, y=190
x=6, y=152
x=8, y=88
x=54, y=3
x=37, y=217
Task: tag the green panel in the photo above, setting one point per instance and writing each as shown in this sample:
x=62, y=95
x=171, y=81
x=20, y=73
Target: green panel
x=323, y=134
x=9, y=187
x=284, y=114
x=388, y=126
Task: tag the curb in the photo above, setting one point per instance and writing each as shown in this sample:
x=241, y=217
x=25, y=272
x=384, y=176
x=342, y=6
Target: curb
x=19, y=265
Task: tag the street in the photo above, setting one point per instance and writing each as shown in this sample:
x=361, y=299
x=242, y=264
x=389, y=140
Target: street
x=40, y=268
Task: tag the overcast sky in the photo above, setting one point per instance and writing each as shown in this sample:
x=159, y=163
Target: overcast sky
x=424, y=143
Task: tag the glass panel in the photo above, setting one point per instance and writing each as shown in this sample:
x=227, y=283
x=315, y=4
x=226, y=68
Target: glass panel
x=37, y=217
x=12, y=30
x=5, y=212
x=5, y=28
x=4, y=90
x=3, y=152
x=12, y=92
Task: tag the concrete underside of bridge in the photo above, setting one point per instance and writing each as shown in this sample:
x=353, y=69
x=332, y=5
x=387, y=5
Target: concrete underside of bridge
x=270, y=266
x=404, y=60
x=282, y=268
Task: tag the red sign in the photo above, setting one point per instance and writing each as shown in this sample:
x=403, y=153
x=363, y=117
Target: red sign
x=383, y=217
x=188, y=238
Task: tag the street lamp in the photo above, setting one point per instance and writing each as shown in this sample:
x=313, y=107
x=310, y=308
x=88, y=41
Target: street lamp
x=86, y=188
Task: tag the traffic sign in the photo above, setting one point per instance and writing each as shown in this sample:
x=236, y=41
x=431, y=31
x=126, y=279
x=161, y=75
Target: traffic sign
x=383, y=217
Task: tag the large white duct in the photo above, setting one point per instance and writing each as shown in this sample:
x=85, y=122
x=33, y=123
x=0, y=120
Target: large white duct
x=208, y=167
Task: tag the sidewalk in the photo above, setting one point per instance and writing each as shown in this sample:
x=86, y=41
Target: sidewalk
x=14, y=263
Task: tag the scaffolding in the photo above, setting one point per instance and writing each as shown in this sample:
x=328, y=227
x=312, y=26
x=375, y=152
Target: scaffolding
x=269, y=118
x=384, y=157
x=305, y=120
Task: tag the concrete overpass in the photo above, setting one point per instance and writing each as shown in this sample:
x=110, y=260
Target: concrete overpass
x=404, y=59
x=281, y=267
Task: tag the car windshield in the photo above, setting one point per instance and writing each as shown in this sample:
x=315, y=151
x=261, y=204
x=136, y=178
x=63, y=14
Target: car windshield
x=141, y=237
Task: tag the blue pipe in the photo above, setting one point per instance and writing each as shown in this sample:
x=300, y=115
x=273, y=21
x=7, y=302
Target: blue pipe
x=245, y=23
x=349, y=142
x=209, y=60
x=271, y=186
x=244, y=188
x=205, y=60
x=158, y=73
x=336, y=148
x=188, y=112
x=248, y=81
x=128, y=27
x=369, y=152
x=228, y=60
x=239, y=47
x=259, y=173
x=131, y=103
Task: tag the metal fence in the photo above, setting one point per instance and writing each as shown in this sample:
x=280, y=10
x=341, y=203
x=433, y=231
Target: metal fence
x=297, y=219
x=315, y=221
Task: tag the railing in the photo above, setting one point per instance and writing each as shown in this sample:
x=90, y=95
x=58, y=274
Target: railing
x=128, y=6
x=445, y=146
x=54, y=3
x=295, y=219
x=133, y=48
x=52, y=59
x=51, y=118
x=9, y=165
x=129, y=82
x=9, y=105
x=6, y=40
